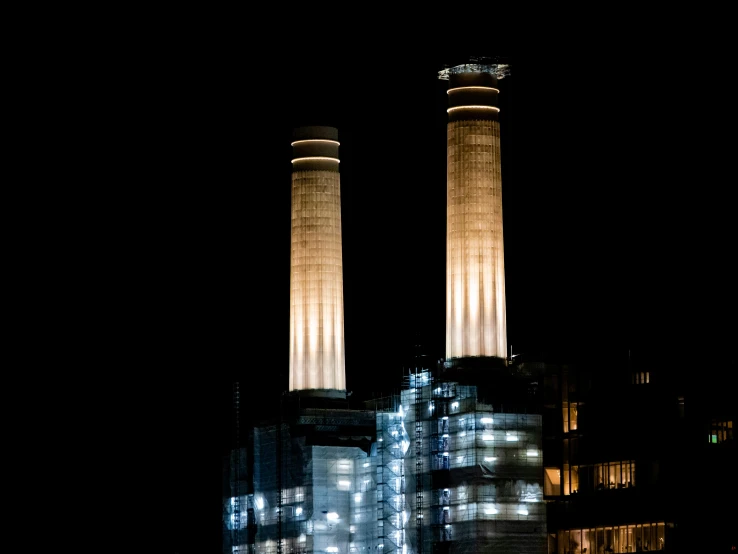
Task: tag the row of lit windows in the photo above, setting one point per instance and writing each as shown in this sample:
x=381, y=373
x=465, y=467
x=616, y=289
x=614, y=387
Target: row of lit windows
x=641, y=377
x=721, y=431
x=597, y=477
x=606, y=540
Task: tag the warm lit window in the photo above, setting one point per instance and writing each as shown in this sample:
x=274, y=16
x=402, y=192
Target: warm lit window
x=552, y=481
x=640, y=537
x=569, y=411
x=721, y=431
x=597, y=477
x=570, y=416
x=641, y=377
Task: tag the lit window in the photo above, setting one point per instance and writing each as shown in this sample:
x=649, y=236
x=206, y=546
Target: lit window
x=641, y=377
x=552, y=481
x=721, y=431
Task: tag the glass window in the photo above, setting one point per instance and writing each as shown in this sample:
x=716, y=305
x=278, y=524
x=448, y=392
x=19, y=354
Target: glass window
x=573, y=417
x=588, y=540
x=575, y=479
x=642, y=537
x=552, y=481
x=611, y=543
x=721, y=431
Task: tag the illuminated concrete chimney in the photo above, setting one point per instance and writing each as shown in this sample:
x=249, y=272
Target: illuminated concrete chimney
x=475, y=269
x=317, y=360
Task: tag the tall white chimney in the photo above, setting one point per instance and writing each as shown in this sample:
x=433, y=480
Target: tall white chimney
x=317, y=358
x=475, y=269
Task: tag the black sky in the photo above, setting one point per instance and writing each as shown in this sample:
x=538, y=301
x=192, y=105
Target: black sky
x=617, y=236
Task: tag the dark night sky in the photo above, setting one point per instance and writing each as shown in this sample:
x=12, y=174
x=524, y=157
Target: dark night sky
x=616, y=236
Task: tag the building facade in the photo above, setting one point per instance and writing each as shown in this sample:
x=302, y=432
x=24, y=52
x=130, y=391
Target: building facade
x=480, y=452
x=636, y=457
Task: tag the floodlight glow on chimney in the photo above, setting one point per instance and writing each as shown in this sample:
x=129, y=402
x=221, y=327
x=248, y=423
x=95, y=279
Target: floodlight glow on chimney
x=317, y=358
x=475, y=271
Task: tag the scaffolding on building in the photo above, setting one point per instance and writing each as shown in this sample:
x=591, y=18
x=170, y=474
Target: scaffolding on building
x=477, y=472
x=238, y=509
x=313, y=485
x=236, y=517
x=393, y=442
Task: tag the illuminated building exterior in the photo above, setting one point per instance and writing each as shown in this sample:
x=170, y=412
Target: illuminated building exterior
x=638, y=456
x=447, y=465
x=478, y=487
x=480, y=453
x=316, y=263
x=313, y=482
x=474, y=466
x=305, y=481
x=475, y=268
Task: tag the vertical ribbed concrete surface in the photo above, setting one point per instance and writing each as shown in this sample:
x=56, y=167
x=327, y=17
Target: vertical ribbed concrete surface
x=316, y=266
x=475, y=270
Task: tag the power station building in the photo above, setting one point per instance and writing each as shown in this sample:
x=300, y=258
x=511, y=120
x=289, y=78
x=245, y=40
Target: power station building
x=479, y=453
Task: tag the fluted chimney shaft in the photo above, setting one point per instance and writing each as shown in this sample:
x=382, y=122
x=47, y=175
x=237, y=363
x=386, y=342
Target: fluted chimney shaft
x=317, y=358
x=475, y=270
